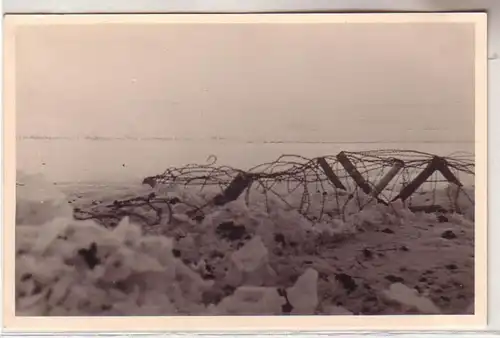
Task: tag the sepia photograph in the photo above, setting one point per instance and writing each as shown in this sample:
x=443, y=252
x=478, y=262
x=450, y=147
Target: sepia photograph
x=248, y=165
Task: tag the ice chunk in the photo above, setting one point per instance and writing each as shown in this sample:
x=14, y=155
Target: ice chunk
x=334, y=228
x=303, y=296
x=127, y=232
x=49, y=265
x=76, y=297
x=370, y=217
x=128, y=305
x=251, y=256
x=336, y=310
x=251, y=300
x=191, y=284
x=143, y=263
x=60, y=290
x=158, y=246
x=49, y=234
x=62, y=248
x=154, y=304
x=399, y=208
x=86, y=232
x=38, y=201
x=118, y=266
x=32, y=305
x=233, y=277
x=44, y=270
x=262, y=276
x=405, y=296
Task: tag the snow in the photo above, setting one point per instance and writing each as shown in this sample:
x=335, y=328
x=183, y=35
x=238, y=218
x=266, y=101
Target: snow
x=251, y=256
x=239, y=259
x=251, y=300
x=41, y=201
x=303, y=296
x=336, y=310
x=405, y=296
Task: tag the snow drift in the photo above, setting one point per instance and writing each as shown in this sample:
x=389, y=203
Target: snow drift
x=238, y=260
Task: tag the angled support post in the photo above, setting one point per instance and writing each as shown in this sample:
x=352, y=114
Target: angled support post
x=398, y=165
x=330, y=174
x=152, y=181
x=354, y=173
x=443, y=168
x=419, y=180
x=234, y=189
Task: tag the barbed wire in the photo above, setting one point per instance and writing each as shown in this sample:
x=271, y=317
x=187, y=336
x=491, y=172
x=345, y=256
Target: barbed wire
x=317, y=187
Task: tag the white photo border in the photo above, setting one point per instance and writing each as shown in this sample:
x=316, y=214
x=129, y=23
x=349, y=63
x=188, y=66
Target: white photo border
x=180, y=6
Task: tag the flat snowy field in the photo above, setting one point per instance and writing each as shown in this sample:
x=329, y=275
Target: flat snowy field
x=236, y=259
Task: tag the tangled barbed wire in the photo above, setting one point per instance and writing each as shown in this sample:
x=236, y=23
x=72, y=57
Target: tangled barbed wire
x=320, y=186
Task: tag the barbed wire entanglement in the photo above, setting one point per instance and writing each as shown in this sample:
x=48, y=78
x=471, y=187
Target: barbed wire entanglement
x=318, y=188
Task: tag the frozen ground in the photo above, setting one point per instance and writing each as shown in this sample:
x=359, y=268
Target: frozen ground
x=237, y=259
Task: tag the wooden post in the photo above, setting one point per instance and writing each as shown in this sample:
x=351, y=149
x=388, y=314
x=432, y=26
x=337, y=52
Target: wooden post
x=234, y=189
x=354, y=173
x=419, y=180
x=330, y=174
x=398, y=165
x=151, y=181
x=443, y=168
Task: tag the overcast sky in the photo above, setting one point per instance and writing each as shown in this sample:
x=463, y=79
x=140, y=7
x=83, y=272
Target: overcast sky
x=324, y=82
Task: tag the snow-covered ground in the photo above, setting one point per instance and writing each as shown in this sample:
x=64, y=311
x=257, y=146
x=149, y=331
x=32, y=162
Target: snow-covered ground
x=239, y=258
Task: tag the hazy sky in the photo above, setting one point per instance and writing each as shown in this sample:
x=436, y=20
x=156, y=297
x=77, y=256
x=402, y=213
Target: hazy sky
x=323, y=82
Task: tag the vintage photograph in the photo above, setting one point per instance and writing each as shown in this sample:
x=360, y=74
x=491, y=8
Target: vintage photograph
x=248, y=167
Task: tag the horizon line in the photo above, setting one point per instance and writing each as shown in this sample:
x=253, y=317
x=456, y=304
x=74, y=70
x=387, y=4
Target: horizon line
x=222, y=139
